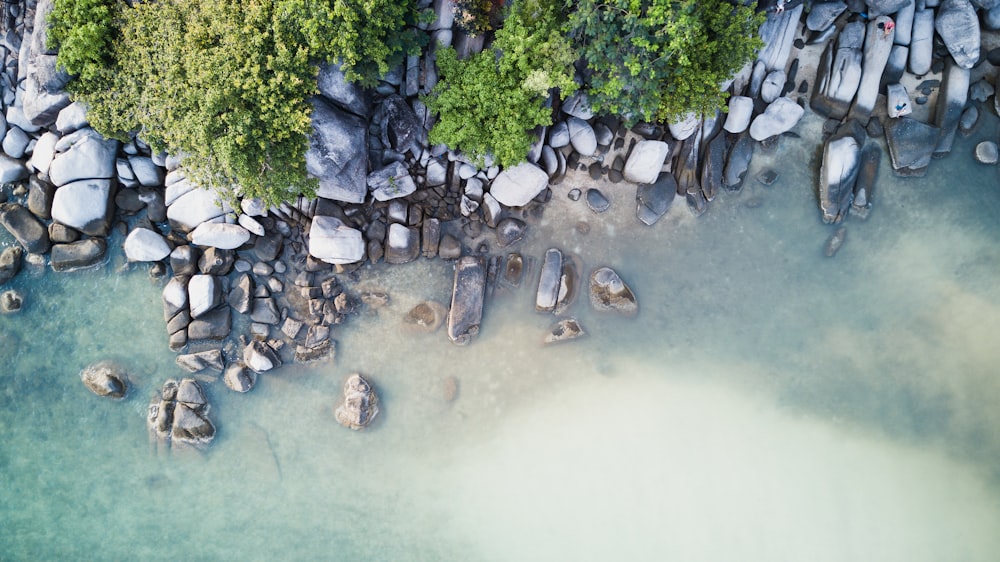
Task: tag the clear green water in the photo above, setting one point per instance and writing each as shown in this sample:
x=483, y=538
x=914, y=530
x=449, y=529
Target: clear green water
x=767, y=403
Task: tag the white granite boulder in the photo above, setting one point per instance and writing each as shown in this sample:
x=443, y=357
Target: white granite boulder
x=878, y=45
x=958, y=26
x=922, y=42
x=646, y=161
x=72, y=118
x=204, y=294
x=45, y=150
x=142, y=244
x=581, y=134
x=517, y=186
x=773, y=84
x=219, y=235
x=987, y=152
x=332, y=241
x=338, y=153
x=740, y=114
x=823, y=14
x=11, y=169
x=779, y=117
x=194, y=207
x=83, y=155
x=391, y=182
x=86, y=205
x=402, y=244
x=684, y=128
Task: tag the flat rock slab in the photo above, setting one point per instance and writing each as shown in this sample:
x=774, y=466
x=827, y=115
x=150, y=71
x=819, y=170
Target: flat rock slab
x=25, y=227
x=468, y=293
x=646, y=161
x=332, y=241
x=220, y=235
x=86, y=205
x=517, y=186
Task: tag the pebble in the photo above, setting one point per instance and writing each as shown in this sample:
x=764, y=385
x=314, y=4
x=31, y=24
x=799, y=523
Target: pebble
x=597, y=201
x=574, y=194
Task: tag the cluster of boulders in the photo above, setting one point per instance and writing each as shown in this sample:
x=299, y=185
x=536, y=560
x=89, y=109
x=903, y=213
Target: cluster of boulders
x=178, y=416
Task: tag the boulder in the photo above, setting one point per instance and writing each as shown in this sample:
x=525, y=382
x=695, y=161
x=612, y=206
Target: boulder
x=559, y=135
x=400, y=126
x=839, y=73
x=991, y=18
x=779, y=117
x=10, y=263
x=146, y=172
x=951, y=102
x=348, y=96
x=219, y=235
x=684, y=128
x=645, y=161
x=86, y=205
x=839, y=171
x=897, y=101
x=548, y=282
x=360, y=403
x=259, y=357
x=44, y=83
x=106, y=378
x=822, y=15
x=738, y=162
x=143, y=244
x=11, y=301
x=778, y=34
x=83, y=155
x=468, y=292
x=578, y=105
x=564, y=330
x=904, y=24
x=958, y=26
x=922, y=42
x=11, y=170
x=864, y=188
x=15, y=142
x=191, y=427
x=402, y=244
x=835, y=241
x=884, y=7
x=332, y=241
x=878, y=45
x=40, y=195
x=391, y=182
x=194, y=207
x=609, y=293
x=194, y=362
x=426, y=317
x=969, y=120
x=653, y=200
x=986, y=152
x=238, y=377
x=517, y=186
x=204, y=294
x=338, y=153
x=79, y=254
x=27, y=229
x=184, y=260
x=175, y=297
x=252, y=225
x=582, y=136
x=72, y=118
x=740, y=114
x=772, y=86
x=212, y=325
x=713, y=163
x=510, y=231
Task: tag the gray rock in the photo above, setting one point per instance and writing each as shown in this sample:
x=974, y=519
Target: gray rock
x=219, y=235
x=653, y=200
x=835, y=241
x=822, y=15
x=911, y=144
x=684, y=128
x=467, y=297
x=897, y=101
x=194, y=362
x=738, y=162
x=44, y=83
x=510, y=231
x=253, y=207
x=991, y=18
x=772, y=86
x=251, y=224
x=564, y=330
x=259, y=357
x=360, y=404
x=559, y=135
x=884, y=7
x=578, y=105
x=15, y=142
x=609, y=293
x=238, y=377
x=338, y=153
x=547, y=293
x=981, y=90
x=582, y=136
x=958, y=26
x=184, y=260
x=143, y=244
x=987, y=152
x=778, y=34
x=951, y=102
x=436, y=174
x=11, y=301
x=106, y=378
x=391, y=182
x=402, y=244
x=10, y=263
x=426, y=317
x=175, y=297
x=11, y=170
x=779, y=117
x=839, y=73
x=839, y=171
x=87, y=156
x=191, y=428
x=740, y=114
x=193, y=208
x=27, y=229
x=400, y=126
x=146, y=172
x=904, y=24
x=597, y=201
x=969, y=120
x=212, y=325
x=646, y=161
x=332, y=241
x=204, y=294
x=86, y=205
x=864, y=188
x=517, y=186
x=922, y=42
x=878, y=45
x=241, y=293
x=77, y=255
x=45, y=150
x=72, y=118
x=347, y=95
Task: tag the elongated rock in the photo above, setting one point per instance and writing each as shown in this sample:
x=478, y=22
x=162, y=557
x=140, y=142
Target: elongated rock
x=841, y=160
x=951, y=102
x=468, y=293
x=548, y=282
x=878, y=45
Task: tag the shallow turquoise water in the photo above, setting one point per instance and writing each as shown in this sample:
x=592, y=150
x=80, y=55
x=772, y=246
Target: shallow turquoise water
x=767, y=403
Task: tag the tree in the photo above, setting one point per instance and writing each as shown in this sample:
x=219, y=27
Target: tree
x=226, y=82
x=491, y=103
x=661, y=59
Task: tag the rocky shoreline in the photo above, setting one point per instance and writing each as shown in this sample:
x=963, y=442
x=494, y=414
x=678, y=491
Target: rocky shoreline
x=249, y=288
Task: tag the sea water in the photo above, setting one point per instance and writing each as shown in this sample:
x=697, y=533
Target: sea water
x=767, y=402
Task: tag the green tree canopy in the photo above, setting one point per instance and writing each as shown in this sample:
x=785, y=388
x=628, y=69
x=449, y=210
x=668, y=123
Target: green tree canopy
x=226, y=82
x=661, y=59
x=490, y=103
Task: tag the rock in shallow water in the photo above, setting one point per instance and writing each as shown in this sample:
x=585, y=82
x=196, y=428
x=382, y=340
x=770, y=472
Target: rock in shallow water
x=564, y=330
x=106, y=378
x=360, y=405
x=609, y=293
x=986, y=152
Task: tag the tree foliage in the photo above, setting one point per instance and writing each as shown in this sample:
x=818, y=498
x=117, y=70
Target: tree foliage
x=85, y=32
x=661, y=59
x=227, y=82
x=490, y=103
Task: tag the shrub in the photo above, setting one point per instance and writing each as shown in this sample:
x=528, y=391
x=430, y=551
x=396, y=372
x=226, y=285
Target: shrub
x=84, y=32
x=490, y=103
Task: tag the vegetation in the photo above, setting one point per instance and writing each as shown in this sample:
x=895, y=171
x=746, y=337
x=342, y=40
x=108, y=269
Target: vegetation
x=661, y=59
x=476, y=16
x=490, y=103
x=226, y=82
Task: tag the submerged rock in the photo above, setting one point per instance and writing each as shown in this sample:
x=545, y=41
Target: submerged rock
x=360, y=404
x=467, y=296
x=835, y=241
x=426, y=317
x=11, y=301
x=609, y=293
x=178, y=415
x=564, y=330
x=106, y=378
